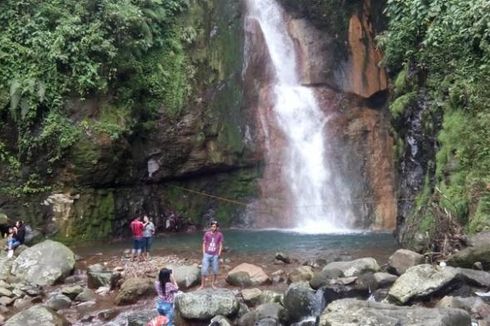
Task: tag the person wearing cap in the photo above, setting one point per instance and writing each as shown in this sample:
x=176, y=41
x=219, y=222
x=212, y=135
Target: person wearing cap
x=212, y=245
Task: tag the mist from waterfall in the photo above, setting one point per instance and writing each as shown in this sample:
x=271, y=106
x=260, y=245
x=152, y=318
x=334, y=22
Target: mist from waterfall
x=321, y=201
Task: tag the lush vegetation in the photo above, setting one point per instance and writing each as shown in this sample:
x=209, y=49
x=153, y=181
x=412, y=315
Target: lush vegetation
x=438, y=51
x=55, y=52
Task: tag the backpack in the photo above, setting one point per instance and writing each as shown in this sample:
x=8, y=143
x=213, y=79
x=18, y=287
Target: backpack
x=158, y=321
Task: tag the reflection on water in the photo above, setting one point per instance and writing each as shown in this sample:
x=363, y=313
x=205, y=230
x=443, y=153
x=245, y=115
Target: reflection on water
x=253, y=243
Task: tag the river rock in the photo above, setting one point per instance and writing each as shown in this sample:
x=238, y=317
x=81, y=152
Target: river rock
x=354, y=312
x=133, y=289
x=300, y=274
x=475, y=306
x=403, y=259
x=206, y=303
x=220, y=321
x=267, y=311
x=324, y=277
x=187, y=276
x=5, y=267
x=37, y=315
x=141, y=318
x=300, y=301
x=5, y=292
x=251, y=296
x=278, y=276
x=283, y=257
x=420, y=281
x=98, y=275
x=268, y=296
x=58, y=302
x=374, y=281
x=473, y=277
x=86, y=295
x=354, y=267
x=72, y=291
x=44, y=263
x=256, y=275
x=478, y=252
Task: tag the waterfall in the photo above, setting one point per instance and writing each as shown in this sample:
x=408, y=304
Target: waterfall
x=321, y=202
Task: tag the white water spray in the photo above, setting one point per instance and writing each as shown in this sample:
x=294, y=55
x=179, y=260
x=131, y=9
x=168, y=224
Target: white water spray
x=321, y=201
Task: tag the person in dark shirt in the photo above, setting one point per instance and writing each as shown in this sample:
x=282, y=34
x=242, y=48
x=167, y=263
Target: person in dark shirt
x=19, y=234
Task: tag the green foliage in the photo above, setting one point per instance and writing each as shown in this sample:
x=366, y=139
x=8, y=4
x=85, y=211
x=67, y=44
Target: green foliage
x=54, y=50
x=398, y=106
x=448, y=45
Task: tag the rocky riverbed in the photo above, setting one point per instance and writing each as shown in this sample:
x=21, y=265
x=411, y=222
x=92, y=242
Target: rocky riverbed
x=44, y=284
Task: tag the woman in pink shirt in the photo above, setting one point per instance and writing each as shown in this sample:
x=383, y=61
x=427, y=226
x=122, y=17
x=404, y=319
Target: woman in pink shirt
x=166, y=288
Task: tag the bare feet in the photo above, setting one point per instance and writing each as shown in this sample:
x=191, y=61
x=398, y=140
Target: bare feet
x=213, y=286
x=200, y=287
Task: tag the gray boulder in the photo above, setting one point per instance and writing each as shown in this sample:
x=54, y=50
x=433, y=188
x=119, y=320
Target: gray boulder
x=478, y=252
x=44, y=263
x=403, y=259
x=300, y=274
x=187, y=276
x=141, y=318
x=98, y=275
x=420, y=281
x=58, y=302
x=324, y=277
x=354, y=312
x=354, y=267
x=206, y=303
x=133, y=289
x=475, y=306
x=472, y=277
x=254, y=275
x=220, y=321
x=39, y=316
x=301, y=301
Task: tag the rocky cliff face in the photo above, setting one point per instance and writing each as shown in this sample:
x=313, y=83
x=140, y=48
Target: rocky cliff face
x=340, y=62
x=169, y=164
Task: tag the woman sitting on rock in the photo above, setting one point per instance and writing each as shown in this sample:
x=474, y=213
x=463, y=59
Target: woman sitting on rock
x=166, y=288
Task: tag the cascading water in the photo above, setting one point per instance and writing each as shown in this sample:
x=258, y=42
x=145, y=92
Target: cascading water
x=321, y=202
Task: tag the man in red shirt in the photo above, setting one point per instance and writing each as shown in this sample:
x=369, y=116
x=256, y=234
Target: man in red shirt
x=137, y=227
x=212, y=245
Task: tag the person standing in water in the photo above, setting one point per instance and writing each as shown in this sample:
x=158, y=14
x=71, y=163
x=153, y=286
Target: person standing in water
x=212, y=245
x=148, y=232
x=166, y=287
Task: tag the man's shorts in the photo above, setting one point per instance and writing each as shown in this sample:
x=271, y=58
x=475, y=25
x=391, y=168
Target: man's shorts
x=210, y=261
x=137, y=243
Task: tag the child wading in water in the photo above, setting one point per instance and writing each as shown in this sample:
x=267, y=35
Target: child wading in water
x=166, y=288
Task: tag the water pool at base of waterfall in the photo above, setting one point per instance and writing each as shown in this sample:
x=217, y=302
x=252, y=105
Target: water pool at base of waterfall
x=260, y=245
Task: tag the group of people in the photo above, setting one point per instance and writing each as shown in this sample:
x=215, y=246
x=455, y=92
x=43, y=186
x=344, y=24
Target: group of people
x=15, y=237
x=143, y=231
x=166, y=286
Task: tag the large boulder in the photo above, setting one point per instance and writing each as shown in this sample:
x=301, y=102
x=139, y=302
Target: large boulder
x=301, y=301
x=133, y=289
x=420, y=281
x=254, y=274
x=99, y=275
x=403, y=259
x=44, y=263
x=206, y=303
x=473, y=277
x=479, y=252
x=300, y=274
x=354, y=267
x=354, y=312
x=473, y=305
x=186, y=276
x=37, y=315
